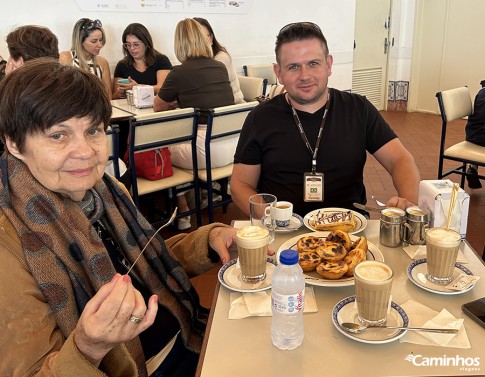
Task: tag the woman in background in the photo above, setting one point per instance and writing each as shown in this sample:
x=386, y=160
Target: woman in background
x=88, y=38
x=200, y=82
x=221, y=55
x=30, y=42
x=142, y=64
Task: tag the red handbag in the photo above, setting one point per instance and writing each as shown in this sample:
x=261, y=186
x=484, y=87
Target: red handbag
x=153, y=165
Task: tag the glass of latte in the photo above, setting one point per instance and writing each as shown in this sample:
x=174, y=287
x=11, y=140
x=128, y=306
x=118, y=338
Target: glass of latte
x=373, y=282
x=442, y=246
x=252, y=247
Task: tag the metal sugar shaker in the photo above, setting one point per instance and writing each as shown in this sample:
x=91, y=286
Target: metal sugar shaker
x=418, y=221
x=392, y=227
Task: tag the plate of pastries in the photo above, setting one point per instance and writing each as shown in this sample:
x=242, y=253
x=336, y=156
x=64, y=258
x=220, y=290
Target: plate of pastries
x=328, y=219
x=328, y=259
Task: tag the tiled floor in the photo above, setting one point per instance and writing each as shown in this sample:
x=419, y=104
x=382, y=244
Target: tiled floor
x=420, y=133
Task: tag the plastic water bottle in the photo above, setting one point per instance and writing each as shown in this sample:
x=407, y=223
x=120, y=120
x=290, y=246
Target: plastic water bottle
x=287, y=302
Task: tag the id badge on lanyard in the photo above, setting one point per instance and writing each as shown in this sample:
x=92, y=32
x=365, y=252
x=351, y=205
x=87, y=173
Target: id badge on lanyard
x=313, y=187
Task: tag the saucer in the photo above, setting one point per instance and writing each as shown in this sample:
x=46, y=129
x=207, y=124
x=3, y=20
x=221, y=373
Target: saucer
x=418, y=269
x=230, y=277
x=346, y=311
x=296, y=222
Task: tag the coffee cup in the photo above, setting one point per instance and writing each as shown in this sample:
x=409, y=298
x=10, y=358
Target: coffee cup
x=252, y=246
x=261, y=213
x=282, y=213
x=442, y=247
x=373, y=282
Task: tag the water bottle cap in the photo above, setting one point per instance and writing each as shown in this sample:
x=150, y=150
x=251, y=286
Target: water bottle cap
x=289, y=257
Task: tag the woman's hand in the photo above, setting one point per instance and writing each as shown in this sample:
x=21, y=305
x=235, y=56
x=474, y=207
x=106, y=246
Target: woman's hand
x=125, y=87
x=105, y=321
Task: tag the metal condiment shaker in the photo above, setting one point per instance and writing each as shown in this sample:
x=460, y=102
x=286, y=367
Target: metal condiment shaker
x=393, y=222
x=418, y=221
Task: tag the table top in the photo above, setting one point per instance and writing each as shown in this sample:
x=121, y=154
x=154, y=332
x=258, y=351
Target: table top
x=122, y=104
x=243, y=347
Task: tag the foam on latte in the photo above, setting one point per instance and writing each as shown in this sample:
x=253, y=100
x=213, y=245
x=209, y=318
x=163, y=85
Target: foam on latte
x=373, y=271
x=252, y=236
x=443, y=236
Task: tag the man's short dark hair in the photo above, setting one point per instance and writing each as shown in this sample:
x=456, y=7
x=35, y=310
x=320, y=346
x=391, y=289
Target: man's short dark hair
x=298, y=31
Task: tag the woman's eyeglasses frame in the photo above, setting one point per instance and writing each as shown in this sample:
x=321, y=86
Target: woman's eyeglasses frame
x=135, y=45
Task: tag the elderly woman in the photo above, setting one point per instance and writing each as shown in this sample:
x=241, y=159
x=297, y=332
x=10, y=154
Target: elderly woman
x=88, y=38
x=68, y=235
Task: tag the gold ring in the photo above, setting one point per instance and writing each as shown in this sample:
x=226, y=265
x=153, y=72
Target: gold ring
x=135, y=319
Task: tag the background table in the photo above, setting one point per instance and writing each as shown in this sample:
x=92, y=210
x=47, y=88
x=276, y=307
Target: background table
x=122, y=104
x=243, y=347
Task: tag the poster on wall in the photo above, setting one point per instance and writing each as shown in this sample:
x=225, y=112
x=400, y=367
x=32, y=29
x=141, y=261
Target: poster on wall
x=163, y=6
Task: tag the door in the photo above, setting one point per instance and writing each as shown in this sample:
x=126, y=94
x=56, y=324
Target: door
x=371, y=46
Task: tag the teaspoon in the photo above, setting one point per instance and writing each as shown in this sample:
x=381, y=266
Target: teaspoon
x=356, y=328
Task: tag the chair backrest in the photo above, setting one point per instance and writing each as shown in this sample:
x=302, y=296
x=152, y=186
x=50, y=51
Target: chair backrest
x=113, y=147
x=264, y=71
x=276, y=90
x=251, y=87
x=455, y=103
x=227, y=120
x=155, y=130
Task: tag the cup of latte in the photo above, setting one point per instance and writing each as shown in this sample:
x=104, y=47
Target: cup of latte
x=373, y=282
x=252, y=247
x=442, y=246
x=282, y=213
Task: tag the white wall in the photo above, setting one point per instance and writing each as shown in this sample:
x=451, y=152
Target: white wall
x=249, y=38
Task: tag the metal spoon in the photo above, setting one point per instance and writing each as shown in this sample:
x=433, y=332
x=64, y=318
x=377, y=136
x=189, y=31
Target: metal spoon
x=357, y=328
x=379, y=203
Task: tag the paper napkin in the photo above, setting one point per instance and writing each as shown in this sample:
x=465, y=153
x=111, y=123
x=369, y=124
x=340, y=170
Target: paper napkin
x=259, y=304
x=419, y=252
x=422, y=316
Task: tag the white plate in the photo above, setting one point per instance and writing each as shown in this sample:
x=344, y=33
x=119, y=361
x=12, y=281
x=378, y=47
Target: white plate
x=312, y=278
x=346, y=311
x=360, y=220
x=418, y=269
x=230, y=277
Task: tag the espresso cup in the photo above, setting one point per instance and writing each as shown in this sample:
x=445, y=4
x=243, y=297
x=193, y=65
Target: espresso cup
x=442, y=247
x=373, y=282
x=261, y=214
x=252, y=247
x=282, y=213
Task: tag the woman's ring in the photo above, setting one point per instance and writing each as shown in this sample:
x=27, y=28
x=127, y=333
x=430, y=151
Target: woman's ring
x=135, y=319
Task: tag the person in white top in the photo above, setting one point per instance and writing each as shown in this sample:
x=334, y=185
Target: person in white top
x=221, y=54
x=88, y=38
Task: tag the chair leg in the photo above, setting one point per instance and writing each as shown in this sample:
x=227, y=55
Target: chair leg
x=462, y=182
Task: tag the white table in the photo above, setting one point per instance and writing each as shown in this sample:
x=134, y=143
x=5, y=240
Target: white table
x=243, y=347
x=122, y=104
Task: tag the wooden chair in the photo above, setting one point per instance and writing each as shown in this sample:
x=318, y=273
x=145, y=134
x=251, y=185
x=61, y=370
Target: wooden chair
x=222, y=122
x=456, y=104
x=265, y=71
x=157, y=130
x=251, y=87
x=113, y=146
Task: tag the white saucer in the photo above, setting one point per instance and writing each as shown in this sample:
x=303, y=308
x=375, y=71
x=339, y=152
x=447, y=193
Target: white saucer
x=360, y=220
x=296, y=222
x=346, y=311
x=418, y=269
x=313, y=278
x=230, y=277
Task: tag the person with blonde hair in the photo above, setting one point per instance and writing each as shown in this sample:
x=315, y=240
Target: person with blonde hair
x=221, y=55
x=200, y=82
x=88, y=38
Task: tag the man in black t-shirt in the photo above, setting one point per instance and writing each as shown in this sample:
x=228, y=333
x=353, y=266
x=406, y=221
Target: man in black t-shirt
x=313, y=132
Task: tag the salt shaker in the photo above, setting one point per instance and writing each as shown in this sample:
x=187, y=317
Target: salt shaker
x=392, y=225
x=418, y=221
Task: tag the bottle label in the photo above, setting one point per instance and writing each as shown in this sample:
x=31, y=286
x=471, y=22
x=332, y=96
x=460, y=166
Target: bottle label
x=288, y=304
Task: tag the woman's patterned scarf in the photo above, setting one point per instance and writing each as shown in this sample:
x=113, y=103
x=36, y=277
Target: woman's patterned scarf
x=70, y=263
